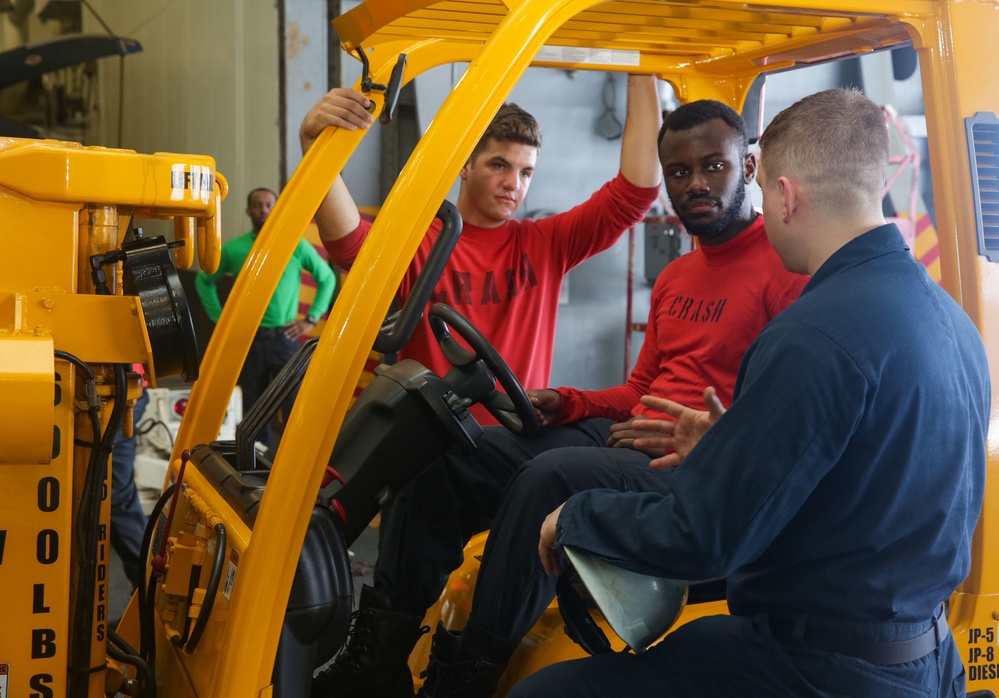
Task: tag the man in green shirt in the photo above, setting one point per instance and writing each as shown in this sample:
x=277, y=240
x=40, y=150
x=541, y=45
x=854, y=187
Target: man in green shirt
x=277, y=338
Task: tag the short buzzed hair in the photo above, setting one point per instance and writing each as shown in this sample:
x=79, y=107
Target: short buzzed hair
x=835, y=143
x=696, y=113
x=511, y=124
x=249, y=197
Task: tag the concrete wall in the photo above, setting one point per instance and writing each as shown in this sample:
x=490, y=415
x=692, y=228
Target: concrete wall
x=206, y=82
x=306, y=55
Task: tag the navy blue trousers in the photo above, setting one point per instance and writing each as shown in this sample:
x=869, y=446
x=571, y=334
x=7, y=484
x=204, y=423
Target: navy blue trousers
x=737, y=656
x=515, y=482
x=128, y=521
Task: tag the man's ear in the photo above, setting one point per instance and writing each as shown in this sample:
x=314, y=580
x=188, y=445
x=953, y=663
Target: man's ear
x=465, y=168
x=750, y=165
x=790, y=198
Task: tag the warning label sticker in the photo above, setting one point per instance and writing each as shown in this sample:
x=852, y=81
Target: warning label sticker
x=4, y=673
x=982, y=656
x=591, y=56
x=230, y=576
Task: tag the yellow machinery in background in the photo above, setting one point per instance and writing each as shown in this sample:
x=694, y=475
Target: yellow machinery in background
x=220, y=613
x=83, y=298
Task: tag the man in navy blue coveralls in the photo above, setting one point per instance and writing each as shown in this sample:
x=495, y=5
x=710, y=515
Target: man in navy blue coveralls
x=840, y=491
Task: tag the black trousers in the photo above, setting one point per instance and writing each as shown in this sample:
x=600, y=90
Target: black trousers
x=516, y=482
x=268, y=354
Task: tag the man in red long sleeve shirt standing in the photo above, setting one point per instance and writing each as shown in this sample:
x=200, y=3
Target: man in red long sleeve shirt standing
x=707, y=307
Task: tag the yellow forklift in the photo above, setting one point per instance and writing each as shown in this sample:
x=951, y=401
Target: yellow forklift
x=249, y=585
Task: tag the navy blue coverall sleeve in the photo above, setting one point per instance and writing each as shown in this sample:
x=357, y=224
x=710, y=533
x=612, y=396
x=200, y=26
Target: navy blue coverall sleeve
x=800, y=396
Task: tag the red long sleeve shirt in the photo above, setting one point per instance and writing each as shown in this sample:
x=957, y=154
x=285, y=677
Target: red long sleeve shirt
x=506, y=280
x=707, y=308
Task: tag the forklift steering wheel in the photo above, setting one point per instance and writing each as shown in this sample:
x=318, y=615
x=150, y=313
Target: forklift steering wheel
x=512, y=409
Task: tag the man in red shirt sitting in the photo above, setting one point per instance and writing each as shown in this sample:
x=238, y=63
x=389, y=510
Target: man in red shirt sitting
x=504, y=274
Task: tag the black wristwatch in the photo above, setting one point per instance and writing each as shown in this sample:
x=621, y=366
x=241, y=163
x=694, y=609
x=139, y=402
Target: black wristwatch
x=312, y=319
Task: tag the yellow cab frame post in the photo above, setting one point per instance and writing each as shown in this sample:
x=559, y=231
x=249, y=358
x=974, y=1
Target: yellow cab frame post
x=251, y=636
x=953, y=46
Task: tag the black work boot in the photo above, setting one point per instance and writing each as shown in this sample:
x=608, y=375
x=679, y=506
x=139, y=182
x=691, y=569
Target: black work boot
x=452, y=674
x=374, y=660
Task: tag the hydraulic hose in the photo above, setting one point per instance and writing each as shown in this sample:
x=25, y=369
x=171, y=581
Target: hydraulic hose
x=87, y=523
x=120, y=650
x=147, y=643
x=76, y=361
x=88, y=517
x=194, y=580
x=221, y=545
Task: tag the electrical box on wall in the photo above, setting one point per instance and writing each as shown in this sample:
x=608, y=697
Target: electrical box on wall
x=664, y=242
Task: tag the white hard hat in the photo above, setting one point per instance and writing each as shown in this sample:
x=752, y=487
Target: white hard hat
x=640, y=608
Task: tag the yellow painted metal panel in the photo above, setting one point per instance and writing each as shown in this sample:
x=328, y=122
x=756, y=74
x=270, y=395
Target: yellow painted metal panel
x=725, y=27
x=36, y=502
x=38, y=232
x=97, y=329
x=200, y=668
x=69, y=173
x=27, y=384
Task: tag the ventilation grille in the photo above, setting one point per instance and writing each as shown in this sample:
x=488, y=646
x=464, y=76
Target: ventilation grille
x=983, y=148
